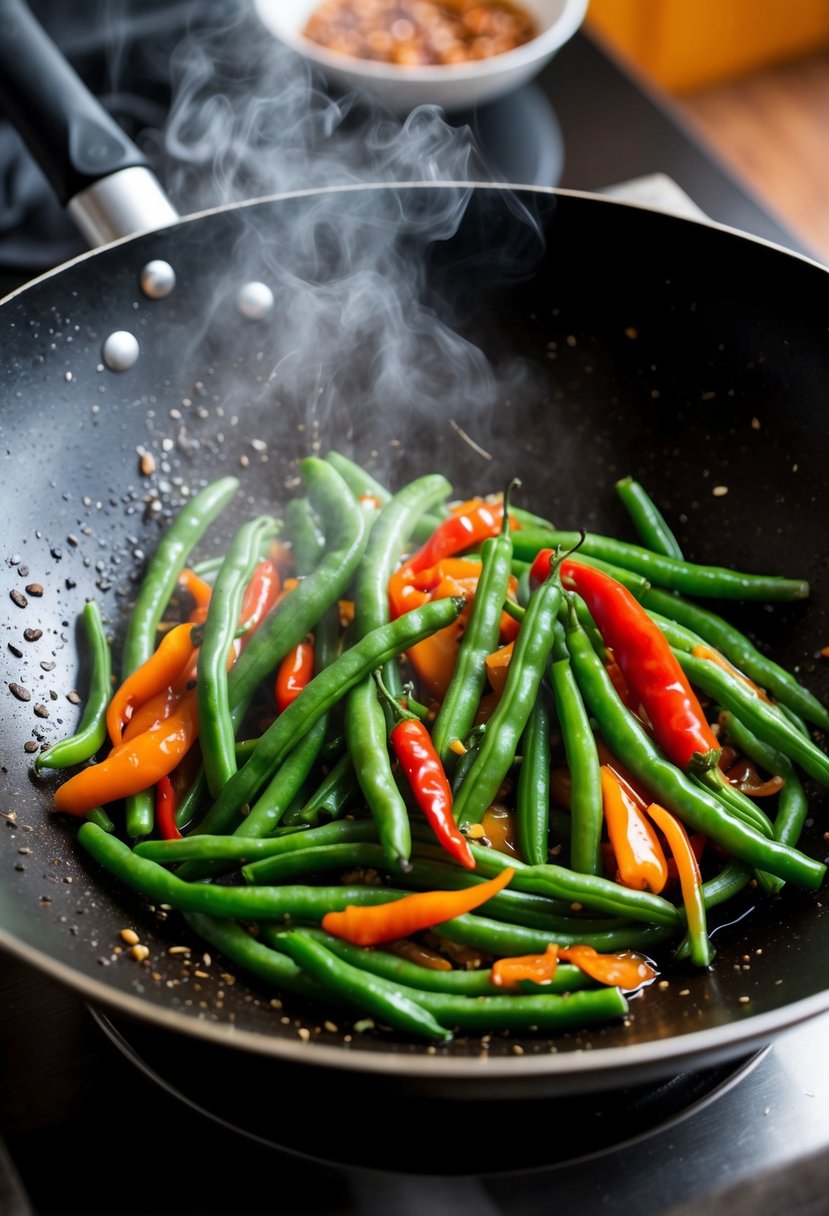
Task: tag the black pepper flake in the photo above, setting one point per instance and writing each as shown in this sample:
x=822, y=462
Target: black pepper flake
x=23, y=571
x=48, y=664
x=70, y=584
x=17, y=597
x=41, y=710
x=32, y=635
x=22, y=694
x=16, y=651
x=72, y=540
x=35, y=589
x=56, y=553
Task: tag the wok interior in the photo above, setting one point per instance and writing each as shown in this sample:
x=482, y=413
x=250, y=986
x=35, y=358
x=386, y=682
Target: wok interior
x=625, y=342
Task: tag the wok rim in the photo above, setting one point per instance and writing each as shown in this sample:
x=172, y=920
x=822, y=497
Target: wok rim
x=357, y=187
x=642, y=1059
x=656, y=1057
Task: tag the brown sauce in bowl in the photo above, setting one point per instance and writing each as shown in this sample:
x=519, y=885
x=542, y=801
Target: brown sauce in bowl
x=414, y=33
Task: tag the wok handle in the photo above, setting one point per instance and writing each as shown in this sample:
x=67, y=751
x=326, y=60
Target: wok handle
x=97, y=172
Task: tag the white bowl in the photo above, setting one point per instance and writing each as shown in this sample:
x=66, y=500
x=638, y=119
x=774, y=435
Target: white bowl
x=451, y=86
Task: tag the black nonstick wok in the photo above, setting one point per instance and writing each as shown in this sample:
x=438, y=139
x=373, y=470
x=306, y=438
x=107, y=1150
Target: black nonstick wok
x=481, y=331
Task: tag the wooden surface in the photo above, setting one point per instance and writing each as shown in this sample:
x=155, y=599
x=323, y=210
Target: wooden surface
x=772, y=128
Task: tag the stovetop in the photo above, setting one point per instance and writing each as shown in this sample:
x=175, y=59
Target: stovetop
x=91, y=1110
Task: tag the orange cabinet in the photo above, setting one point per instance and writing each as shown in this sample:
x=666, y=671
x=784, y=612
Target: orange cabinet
x=688, y=44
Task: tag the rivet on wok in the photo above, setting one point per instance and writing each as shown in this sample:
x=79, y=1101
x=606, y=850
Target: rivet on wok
x=254, y=300
x=157, y=279
x=120, y=351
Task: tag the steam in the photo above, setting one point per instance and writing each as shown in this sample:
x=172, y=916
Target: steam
x=352, y=326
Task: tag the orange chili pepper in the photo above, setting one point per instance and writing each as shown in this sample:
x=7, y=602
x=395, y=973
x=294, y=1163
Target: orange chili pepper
x=174, y=652
x=133, y=766
x=372, y=925
x=294, y=673
x=624, y=970
x=152, y=713
x=639, y=857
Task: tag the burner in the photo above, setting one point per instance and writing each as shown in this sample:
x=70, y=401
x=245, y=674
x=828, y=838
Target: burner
x=351, y=1120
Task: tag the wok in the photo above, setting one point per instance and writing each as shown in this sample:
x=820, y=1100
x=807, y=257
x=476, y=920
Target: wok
x=573, y=339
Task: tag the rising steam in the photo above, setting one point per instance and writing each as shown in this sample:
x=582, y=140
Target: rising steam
x=249, y=118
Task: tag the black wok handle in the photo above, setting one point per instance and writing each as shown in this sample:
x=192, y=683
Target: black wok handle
x=97, y=172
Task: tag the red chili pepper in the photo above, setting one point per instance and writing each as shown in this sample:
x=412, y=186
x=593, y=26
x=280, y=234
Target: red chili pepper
x=377, y=923
x=295, y=672
x=165, y=809
x=469, y=527
x=261, y=594
x=647, y=662
x=412, y=745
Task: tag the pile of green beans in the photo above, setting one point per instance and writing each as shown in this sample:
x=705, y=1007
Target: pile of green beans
x=305, y=811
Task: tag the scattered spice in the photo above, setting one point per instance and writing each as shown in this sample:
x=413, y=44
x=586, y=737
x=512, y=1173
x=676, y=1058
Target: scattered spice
x=17, y=597
x=17, y=690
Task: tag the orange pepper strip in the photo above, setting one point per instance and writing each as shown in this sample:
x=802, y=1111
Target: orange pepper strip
x=639, y=856
x=537, y=968
x=151, y=714
x=133, y=766
x=371, y=926
x=293, y=673
x=497, y=667
x=626, y=970
x=163, y=667
x=690, y=879
x=196, y=587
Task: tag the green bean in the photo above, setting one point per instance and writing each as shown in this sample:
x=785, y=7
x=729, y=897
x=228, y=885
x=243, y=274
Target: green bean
x=216, y=733
x=460, y=703
x=654, y=532
x=456, y=982
x=496, y=937
x=266, y=813
x=365, y=728
x=590, y=890
x=323, y=692
x=705, y=626
x=166, y=564
x=370, y=993
x=337, y=793
x=669, y=786
x=547, y=1012
x=586, y=808
x=426, y=872
x=157, y=586
x=307, y=542
x=229, y=902
x=365, y=717
x=792, y=803
x=241, y=947
x=526, y=671
x=251, y=849
x=532, y=805
x=687, y=577
x=297, y=614
x=92, y=731
x=758, y=715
